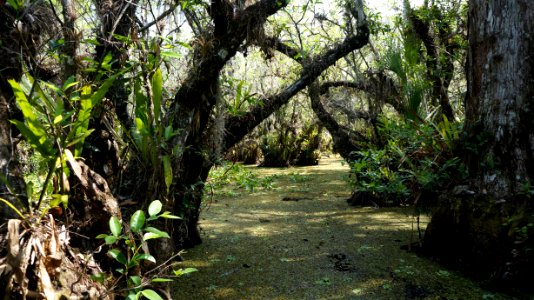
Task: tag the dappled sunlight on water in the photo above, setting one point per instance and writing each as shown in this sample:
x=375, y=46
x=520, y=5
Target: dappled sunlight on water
x=258, y=246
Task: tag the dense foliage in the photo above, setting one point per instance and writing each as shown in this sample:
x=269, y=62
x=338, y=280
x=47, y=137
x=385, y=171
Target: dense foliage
x=417, y=159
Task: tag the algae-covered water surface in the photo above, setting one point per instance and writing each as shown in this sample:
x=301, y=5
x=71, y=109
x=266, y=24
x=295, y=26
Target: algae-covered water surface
x=298, y=239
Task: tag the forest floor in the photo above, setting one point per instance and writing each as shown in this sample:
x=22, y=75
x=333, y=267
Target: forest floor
x=300, y=240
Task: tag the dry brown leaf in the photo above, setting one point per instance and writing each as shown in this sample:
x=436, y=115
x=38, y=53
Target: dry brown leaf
x=75, y=166
x=46, y=283
x=13, y=227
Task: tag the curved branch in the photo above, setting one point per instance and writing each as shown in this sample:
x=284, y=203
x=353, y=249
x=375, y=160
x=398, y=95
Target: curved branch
x=278, y=45
x=345, y=141
x=239, y=126
x=159, y=18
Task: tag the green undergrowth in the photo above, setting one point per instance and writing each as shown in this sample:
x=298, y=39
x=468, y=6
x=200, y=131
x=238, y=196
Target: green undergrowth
x=231, y=179
x=314, y=246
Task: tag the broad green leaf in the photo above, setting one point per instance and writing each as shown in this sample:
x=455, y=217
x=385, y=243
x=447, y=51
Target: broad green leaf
x=145, y=256
x=58, y=119
x=101, y=236
x=118, y=256
x=157, y=90
x=167, y=171
x=101, y=92
x=58, y=199
x=135, y=280
x=34, y=131
x=115, y=226
x=169, y=132
x=149, y=235
x=154, y=208
x=110, y=239
x=151, y=294
x=137, y=221
x=157, y=231
x=154, y=234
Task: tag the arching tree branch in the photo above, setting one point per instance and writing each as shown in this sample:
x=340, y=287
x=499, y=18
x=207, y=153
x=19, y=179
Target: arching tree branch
x=238, y=126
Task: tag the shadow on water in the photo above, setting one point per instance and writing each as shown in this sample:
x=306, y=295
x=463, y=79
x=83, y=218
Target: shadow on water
x=257, y=246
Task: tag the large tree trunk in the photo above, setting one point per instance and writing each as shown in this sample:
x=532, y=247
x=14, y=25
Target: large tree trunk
x=490, y=230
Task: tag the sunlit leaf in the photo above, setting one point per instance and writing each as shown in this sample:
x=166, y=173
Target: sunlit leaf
x=145, y=256
x=137, y=221
x=181, y=272
x=171, y=54
x=167, y=215
x=118, y=256
x=136, y=280
x=115, y=226
x=154, y=208
x=157, y=90
x=110, y=239
x=157, y=231
x=151, y=294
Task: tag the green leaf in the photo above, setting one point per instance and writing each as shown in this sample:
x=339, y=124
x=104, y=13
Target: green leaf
x=171, y=54
x=80, y=138
x=151, y=294
x=154, y=208
x=132, y=263
x=110, y=239
x=167, y=171
x=157, y=90
x=167, y=215
x=150, y=235
x=135, y=280
x=13, y=207
x=101, y=236
x=181, y=272
x=157, y=231
x=34, y=131
x=15, y=4
x=133, y=296
x=145, y=256
x=156, y=280
x=118, y=256
x=137, y=221
x=115, y=226
x=35, y=139
x=70, y=82
x=100, y=277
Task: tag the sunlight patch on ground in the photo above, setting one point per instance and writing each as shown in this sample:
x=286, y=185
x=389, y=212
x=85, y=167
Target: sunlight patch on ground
x=259, y=247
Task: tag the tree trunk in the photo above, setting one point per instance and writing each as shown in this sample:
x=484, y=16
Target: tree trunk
x=492, y=230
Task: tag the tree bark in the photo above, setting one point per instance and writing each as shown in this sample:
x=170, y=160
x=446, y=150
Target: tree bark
x=490, y=230
x=195, y=100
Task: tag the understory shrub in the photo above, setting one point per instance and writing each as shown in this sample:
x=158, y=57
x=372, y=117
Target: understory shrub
x=228, y=177
x=417, y=159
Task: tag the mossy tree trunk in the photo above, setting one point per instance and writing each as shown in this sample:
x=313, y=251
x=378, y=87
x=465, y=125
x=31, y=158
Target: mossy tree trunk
x=490, y=230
